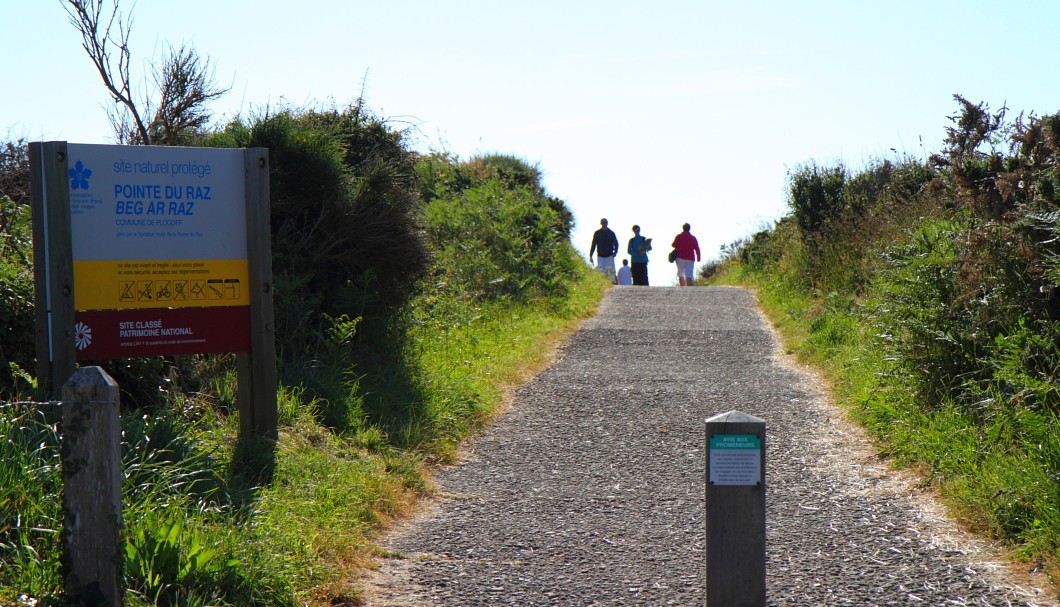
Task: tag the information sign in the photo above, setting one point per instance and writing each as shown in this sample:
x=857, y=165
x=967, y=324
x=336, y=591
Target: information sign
x=735, y=459
x=156, y=233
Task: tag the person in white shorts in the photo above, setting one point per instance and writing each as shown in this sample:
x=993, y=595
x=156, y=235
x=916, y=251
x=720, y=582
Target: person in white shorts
x=687, y=248
x=605, y=245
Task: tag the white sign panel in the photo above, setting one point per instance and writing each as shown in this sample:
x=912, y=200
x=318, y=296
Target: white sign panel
x=735, y=459
x=152, y=202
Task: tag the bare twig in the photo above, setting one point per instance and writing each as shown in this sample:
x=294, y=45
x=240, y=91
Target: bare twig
x=184, y=84
x=99, y=39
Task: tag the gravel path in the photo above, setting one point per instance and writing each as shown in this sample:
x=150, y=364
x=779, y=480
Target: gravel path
x=589, y=489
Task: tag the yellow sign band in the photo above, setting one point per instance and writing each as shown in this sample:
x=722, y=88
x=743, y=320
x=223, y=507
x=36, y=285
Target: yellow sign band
x=122, y=285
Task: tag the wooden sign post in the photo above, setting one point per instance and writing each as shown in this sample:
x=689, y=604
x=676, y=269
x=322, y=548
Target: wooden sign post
x=736, y=511
x=155, y=251
x=53, y=268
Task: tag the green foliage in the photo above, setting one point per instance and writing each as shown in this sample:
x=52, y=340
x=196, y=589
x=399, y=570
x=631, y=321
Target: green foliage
x=162, y=459
x=816, y=196
x=1025, y=366
x=344, y=218
x=838, y=214
x=179, y=513
x=917, y=315
x=884, y=186
x=497, y=240
x=492, y=242
x=442, y=176
x=16, y=272
x=928, y=292
x=348, y=247
x=409, y=292
x=163, y=560
x=329, y=388
x=31, y=513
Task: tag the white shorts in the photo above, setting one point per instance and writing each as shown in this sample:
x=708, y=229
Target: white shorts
x=606, y=265
x=685, y=267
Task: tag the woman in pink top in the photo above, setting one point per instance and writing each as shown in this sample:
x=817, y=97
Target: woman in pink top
x=687, y=248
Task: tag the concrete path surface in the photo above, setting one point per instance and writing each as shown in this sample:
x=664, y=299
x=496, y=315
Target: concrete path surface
x=589, y=489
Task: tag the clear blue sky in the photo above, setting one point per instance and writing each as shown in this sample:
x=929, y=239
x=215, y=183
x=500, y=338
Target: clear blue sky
x=651, y=112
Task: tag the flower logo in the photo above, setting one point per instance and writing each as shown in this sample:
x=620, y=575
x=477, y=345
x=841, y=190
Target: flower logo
x=82, y=334
x=79, y=176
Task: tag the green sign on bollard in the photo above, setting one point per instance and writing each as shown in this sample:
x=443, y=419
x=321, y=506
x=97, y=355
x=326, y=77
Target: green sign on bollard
x=735, y=459
x=736, y=511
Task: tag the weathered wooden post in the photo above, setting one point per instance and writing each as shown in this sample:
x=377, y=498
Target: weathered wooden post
x=91, y=463
x=53, y=270
x=258, y=414
x=736, y=511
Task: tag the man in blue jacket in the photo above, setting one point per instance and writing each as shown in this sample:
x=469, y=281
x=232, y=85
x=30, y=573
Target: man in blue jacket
x=605, y=245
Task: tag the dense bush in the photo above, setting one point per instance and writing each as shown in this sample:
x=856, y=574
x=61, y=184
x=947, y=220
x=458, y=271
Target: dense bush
x=816, y=196
x=919, y=317
x=943, y=277
x=958, y=256
x=1004, y=283
x=497, y=239
x=494, y=232
x=838, y=213
x=345, y=234
x=17, y=343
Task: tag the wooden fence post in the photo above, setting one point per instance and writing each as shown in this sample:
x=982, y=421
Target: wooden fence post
x=736, y=511
x=53, y=268
x=91, y=465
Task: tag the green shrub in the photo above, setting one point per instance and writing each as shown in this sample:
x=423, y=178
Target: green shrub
x=919, y=315
x=344, y=218
x=945, y=276
x=496, y=242
x=816, y=196
x=165, y=563
x=17, y=345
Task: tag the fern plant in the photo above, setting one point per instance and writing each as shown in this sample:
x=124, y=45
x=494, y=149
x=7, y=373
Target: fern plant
x=162, y=561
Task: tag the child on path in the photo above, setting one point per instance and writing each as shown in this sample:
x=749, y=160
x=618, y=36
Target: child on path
x=625, y=275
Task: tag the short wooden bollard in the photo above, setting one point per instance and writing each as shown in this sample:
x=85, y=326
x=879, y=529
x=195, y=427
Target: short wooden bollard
x=91, y=463
x=736, y=511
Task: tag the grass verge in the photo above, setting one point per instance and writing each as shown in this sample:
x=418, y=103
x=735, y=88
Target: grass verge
x=211, y=520
x=993, y=466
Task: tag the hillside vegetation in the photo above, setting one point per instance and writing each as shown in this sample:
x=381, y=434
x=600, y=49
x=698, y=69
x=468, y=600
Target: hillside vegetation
x=928, y=290
x=411, y=290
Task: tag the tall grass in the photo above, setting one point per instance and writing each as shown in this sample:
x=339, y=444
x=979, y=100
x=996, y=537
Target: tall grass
x=388, y=362
x=931, y=305
x=170, y=483
x=207, y=525
x=31, y=515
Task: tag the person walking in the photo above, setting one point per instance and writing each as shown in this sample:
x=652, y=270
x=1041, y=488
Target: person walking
x=687, y=249
x=605, y=245
x=625, y=275
x=638, y=248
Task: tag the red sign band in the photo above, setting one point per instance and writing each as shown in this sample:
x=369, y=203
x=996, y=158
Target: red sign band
x=103, y=334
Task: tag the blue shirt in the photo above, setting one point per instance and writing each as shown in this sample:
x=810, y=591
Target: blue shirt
x=638, y=249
